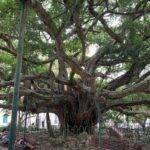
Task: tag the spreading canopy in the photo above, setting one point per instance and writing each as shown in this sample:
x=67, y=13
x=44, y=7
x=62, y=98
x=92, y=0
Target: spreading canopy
x=57, y=69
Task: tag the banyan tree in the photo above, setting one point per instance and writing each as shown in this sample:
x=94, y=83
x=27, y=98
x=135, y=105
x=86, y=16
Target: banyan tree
x=58, y=73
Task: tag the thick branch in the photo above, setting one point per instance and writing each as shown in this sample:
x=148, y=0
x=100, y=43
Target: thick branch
x=133, y=113
x=8, y=106
x=120, y=103
x=125, y=78
x=12, y=52
x=80, y=33
x=138, y=12
x=143, y=86
x=45, y=17
x=26, y=92
x=27, y=77
x=100, y=18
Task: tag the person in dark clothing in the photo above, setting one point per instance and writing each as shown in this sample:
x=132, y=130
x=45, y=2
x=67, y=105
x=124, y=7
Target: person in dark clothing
x=24, y=142
x=4, y=136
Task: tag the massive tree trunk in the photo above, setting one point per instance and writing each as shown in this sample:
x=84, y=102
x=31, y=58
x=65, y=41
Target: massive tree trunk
x=79, y=115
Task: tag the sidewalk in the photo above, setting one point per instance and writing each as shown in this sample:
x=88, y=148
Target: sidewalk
x=3, y=148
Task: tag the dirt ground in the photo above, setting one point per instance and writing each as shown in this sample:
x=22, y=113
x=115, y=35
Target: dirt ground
x=41, y=141
x=3, y=148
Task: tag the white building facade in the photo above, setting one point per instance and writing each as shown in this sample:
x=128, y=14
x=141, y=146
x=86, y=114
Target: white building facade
x=5, y=119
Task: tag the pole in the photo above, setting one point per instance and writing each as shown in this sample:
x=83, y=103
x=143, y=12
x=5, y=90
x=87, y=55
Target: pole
x=100, y=121
x=20, y=49
x=26, y=116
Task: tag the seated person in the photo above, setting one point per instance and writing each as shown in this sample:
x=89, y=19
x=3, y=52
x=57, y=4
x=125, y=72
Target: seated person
x=24, y=142
x=4, y=137
x=4, y=131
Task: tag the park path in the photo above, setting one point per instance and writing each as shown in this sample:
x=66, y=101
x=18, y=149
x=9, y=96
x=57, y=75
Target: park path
x=3, y=148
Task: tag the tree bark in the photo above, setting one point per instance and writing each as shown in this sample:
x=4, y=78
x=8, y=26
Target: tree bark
x=49, y=126
x=78, y=116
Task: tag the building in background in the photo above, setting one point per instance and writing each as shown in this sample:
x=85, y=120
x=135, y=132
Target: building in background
x=40, y=119
x=5, y=119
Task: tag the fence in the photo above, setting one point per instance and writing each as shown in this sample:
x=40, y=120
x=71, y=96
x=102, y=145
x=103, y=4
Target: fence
x=110, y=138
